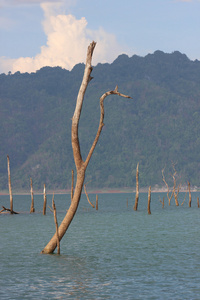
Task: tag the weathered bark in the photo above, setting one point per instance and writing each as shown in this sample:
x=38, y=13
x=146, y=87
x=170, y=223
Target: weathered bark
x=88, y=199
x=190, y=196
x=97, y=202
x=45, y=201
x=137, y=188
x=9, y=186
x=32, y=210
x=56, y=224
x=79, y=163
x=72, y=186
x=149, y=201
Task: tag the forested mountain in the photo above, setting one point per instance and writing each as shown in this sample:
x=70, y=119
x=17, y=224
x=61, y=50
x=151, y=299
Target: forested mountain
x=158, y=126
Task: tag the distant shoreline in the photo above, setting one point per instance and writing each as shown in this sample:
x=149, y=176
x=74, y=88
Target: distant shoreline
x=99, y=191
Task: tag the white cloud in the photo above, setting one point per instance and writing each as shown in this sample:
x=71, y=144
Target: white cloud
x=67, y=42
x=19, y=2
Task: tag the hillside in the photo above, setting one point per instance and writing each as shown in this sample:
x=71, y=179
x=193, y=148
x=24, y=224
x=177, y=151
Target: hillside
x=160, y=125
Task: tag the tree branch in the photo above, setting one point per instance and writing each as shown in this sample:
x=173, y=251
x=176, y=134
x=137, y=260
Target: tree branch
x=101, y=124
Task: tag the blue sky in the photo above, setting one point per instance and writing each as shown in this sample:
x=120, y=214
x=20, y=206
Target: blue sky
x=36, y=33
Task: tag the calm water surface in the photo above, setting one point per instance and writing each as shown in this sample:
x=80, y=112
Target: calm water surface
x=112, y=253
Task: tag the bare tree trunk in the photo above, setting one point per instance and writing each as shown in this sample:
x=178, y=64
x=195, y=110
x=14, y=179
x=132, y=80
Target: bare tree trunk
x=163, y=202
x=56, y=224
x=169, y=197
x=184, y=197
x=190, y=196
x=97, y=202
x=45, y=201
x=80, y=164
x=174, y=187
x=32, y=210
x=9, y=185
x=149, y=201
x=137, y=188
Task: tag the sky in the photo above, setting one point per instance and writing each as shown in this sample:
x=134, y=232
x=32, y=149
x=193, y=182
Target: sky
x=38, y=33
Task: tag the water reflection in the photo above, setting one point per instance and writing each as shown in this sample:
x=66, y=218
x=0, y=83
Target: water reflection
x=72, y=277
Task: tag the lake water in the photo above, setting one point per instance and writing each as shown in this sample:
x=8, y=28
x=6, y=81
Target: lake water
x=112, y=253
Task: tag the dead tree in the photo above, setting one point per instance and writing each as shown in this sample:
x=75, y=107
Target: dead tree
x=45, y=201
x=32, y=210
x=169, y=197
x=80, y=164
x=56, y=224
x=137, y=188
x=190, y=196
x=149, y=201
x=9, y=185
x=88, y=199
x=174, y=187
x=7, y=209
x=10, y=192
x=97, y=202
x=184, y=197
x=162, y=201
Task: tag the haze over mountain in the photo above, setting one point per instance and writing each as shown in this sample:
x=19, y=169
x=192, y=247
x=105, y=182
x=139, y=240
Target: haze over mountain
x=160, y=125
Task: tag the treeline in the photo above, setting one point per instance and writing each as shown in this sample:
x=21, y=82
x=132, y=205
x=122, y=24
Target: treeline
x=158, y=127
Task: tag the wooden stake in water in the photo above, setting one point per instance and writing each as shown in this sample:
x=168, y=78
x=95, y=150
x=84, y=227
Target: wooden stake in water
x=45, y=201
x=32, y=210
x=149, y=201
x=56, y=223
x=198, y=202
